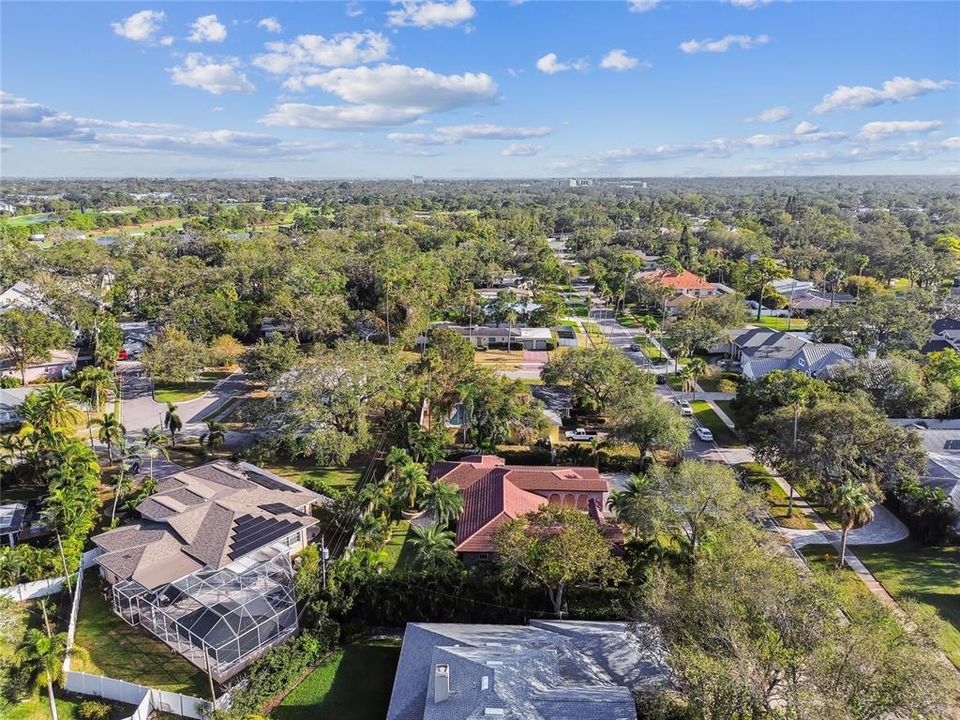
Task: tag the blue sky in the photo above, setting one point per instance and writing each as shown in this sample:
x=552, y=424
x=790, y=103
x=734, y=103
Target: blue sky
x=466, y=88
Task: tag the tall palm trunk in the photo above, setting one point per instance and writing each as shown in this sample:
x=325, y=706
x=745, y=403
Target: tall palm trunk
x=843, y=544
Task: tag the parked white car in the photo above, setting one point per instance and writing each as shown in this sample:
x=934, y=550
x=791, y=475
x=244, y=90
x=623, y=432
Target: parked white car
x=580, y=435
x=704, y=433
x=685, y=409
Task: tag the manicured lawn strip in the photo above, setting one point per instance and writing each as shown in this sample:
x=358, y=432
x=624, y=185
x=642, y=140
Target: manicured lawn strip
x=299, y=470
x=823, y=558
x=727, y=407
x=123, y=652
x=355, y=684
x=177, y=392
x=628, y=321
x=927, y=576
x=38, y=708
x=705, y=415
x=780, y=323
x=399, y=551
x=578, y=309
x=756, y=474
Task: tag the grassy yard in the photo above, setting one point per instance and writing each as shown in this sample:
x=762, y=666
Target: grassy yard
x=705, y=415
x=779, y=323
x=177, y=392
x=578, y=310
x=354, y=684
x=927, y=576
x=499, y=359
x=400, y=553
x=756, y=475
x=727, y=407
x=301, y=470
x=120, y=651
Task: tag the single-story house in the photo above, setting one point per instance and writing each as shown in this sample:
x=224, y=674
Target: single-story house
x=529, y=338
x=10, y=401
x=944, y=335
x=491, y=293
x=548, y=670
x=941, y=442
x=683, y=282
x=813, y=300
x=494, y=492
x=788, y=286
x=61, y=363
x=762, y=350
x=207, y=567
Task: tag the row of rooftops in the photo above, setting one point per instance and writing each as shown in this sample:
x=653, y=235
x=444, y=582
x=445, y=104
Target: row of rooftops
x=205, y=518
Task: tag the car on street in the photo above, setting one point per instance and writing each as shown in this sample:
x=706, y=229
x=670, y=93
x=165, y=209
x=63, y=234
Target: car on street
x=581, y=435
x=131, y=465
x=704, y=433
x=636, y=347
x=661, y=379
x=685, y=409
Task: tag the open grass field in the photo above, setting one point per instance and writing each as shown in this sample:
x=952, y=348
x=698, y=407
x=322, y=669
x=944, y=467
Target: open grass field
x=499, y=359
x=928, y=576
x=705, y=415
x=779, y=323
x=911, y=573
x=182, y=392
x=400, y=553
x=354, y=684
x=120, y=651
x=36, y=219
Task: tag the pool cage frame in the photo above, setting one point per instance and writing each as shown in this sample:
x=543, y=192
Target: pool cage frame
x=219, y=620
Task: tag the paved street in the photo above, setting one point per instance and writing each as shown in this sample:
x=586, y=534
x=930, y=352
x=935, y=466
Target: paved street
x=139, y=410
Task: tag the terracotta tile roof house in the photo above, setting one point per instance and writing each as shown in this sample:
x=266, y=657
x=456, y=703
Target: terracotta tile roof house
x=684, y=282
x=548, y=670
x=207, y=569
x=494, y=492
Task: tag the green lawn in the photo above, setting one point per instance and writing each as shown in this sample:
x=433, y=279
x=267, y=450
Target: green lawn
x=177, y=392
x=31, y=220
x=722, y=435
x=578, y=310
x=628, y=321
x=300, y=470
x=123, y=652
x=400, y=553
x=755, y=475
x=727, y=407
x=779, y=323
x=927, y=576
x=355, y=684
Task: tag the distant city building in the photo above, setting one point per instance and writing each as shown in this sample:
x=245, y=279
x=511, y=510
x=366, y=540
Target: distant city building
x=417, y=180
x=579, y=182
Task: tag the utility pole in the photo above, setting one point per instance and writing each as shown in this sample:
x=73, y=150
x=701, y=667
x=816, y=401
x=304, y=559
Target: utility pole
x=324, y=556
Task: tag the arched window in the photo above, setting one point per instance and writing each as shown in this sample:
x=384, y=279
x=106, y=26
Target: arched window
x=582, y=502
x=555, y=499
x=569, y=501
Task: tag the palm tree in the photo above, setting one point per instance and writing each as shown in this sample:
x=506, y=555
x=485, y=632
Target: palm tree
x=685, y=375
x=56, y=405
x=433, y=544
x=852, y=501
x=95, y=382
x=397, y=457
x=445, y=501
x=799, y=395
x=41, y=656
x=172, y=422
x=633, y=504
x=696, y=368
x=214, y=436
x=152, y=438
x=379, y=497
x=411, y=482
x=111, y=432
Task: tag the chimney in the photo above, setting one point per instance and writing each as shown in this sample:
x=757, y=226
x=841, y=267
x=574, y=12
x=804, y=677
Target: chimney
x=441, y=683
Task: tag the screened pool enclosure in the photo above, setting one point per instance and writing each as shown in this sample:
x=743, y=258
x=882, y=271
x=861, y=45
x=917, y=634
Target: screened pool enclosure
x=220, y=620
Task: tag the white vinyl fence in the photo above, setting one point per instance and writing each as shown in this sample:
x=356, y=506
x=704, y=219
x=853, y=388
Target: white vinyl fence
x=146, y=699
x=42, y=588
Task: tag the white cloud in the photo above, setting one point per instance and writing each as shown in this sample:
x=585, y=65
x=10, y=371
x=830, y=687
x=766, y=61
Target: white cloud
x=271, y=24
x=951, y=143
x=521, y=150
x=745, y=42
x=206, y=73
x=455, y=134
x=896, y=90
x=166, y=40
x=141, y=26
x=354, y=9
x=874, y=131
x=617, y=59
x=22, y=118
x=639, y=6
x=771, y=115
x=550, y=64
x=308, y=53
x=429, y=14
x=207, y=29
x=382, y=96
x=749, y=4
x=805, y=127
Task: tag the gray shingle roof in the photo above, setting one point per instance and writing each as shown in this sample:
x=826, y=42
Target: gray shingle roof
x=544, y=671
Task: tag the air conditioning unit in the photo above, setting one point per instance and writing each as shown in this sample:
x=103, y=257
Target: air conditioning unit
x=441, y=683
